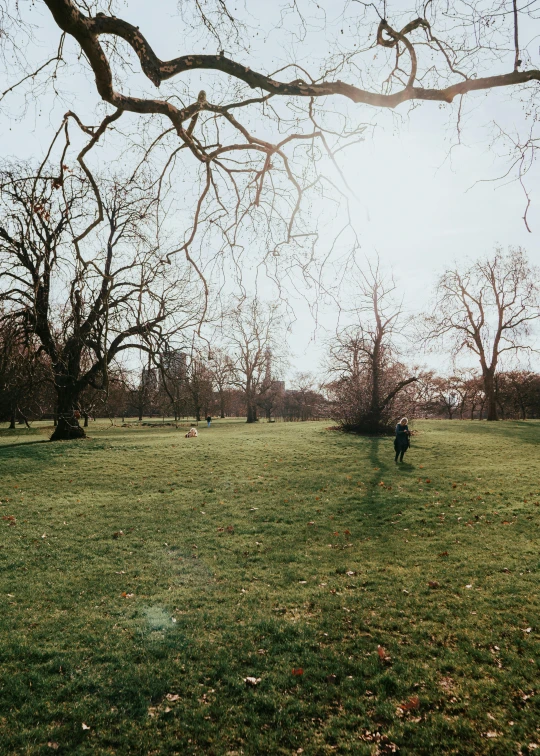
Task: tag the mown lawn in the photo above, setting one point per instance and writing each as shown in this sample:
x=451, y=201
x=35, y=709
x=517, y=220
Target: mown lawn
x=145, y=576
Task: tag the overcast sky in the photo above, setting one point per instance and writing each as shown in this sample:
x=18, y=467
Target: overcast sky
x=415, y=204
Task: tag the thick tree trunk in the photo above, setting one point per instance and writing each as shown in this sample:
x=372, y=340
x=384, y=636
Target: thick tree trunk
x=85, y=415
x=68, y=427
x=13, y=420
x=251, y=413
x=489, y=389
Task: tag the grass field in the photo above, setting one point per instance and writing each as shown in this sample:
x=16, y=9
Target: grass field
x=144, y=577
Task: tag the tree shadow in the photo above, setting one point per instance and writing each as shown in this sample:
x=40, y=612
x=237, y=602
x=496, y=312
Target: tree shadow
x=23, y=443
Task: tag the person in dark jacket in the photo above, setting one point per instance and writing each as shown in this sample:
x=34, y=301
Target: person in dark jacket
x=401, y=441
x=208, y=421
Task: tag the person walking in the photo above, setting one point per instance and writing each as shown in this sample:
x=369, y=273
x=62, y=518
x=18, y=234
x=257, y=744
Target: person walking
x=208, y=421
x=402, y=439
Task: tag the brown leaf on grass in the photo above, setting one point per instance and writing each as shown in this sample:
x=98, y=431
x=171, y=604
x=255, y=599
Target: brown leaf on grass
x=383, y=656
x=230, y=529
x=252, y=681
x=433, y=584
x=412, y=703
x=11, y=519
x=443, y=554
x=52, y=744
x=85, y=726
x=331, y=679
x=428, y=480
x=346, y=532
x=118, y=534
x=127, y=595
x=297, y=671
x=172, y=697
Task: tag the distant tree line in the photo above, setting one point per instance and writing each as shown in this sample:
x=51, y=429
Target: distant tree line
x=486, y=312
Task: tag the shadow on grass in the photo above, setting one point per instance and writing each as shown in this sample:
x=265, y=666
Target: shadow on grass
x=527, y=431
x=24, y=443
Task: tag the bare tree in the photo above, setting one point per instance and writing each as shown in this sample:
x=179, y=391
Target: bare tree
x=199, y=384
x=251, y=140
x=367, y=377
x=221, y=369
x=487, y=310
x=252, y=332
x=86, y=293
x=24, y=374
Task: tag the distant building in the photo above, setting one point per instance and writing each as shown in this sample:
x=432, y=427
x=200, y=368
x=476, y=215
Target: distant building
x=175, y=363
x=150, y=379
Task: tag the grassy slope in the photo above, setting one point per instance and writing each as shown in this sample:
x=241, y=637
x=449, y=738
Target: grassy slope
x=211, y=606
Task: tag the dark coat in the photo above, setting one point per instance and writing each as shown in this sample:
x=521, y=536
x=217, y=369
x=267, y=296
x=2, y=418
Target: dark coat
x=401, y=441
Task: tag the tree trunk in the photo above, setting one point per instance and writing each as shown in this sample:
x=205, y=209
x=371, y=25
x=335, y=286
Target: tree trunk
x=12, y=420
x=68, y=427
x=489, y=388
x=85, y=415
x=251, y=413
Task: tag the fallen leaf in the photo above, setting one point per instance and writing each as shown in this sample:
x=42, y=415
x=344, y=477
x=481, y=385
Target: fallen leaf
x=492, y=734
x=412, y=703
x=172, y=697
x=297, y=671
x=118, y=534
x=443, y=554
x=350, y=573
x=331, y=679
x=127, y=595
x=85, y=726
x=383, y=656
x=252, y=681
x=433, y=584
x=53, y=745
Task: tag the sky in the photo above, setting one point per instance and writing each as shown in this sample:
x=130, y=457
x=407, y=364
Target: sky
x=416, y=201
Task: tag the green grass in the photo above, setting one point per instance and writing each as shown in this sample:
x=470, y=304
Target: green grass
x=256, y=550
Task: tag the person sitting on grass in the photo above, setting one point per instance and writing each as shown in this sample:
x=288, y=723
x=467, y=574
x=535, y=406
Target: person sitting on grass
x=192, y=432
x=401, y=441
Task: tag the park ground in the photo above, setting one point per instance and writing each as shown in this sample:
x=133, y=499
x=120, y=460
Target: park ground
x=270, y=589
